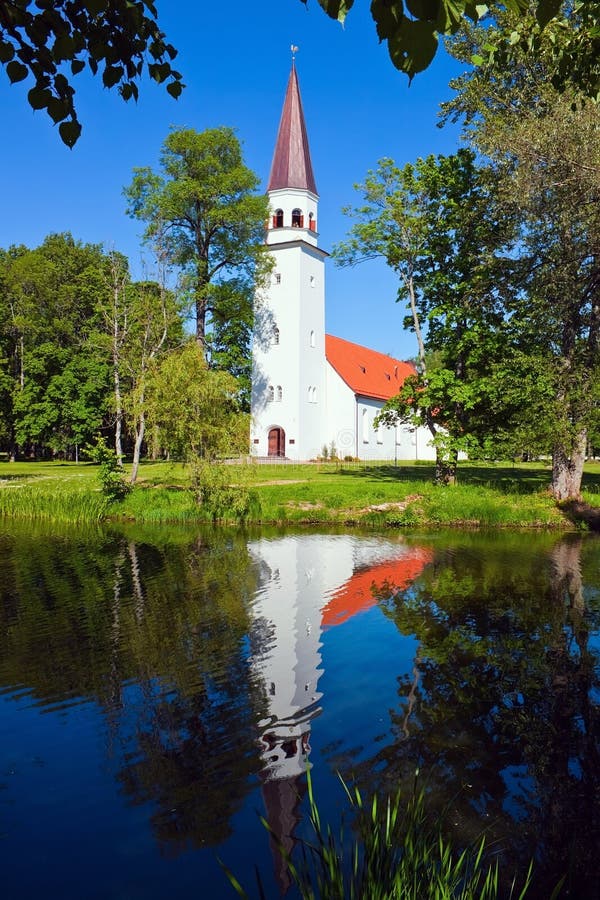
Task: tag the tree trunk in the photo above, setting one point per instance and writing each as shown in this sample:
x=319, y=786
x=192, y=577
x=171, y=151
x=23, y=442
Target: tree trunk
x=567, y=471
x=137, y=449
x=445, y=468
x=119, y=416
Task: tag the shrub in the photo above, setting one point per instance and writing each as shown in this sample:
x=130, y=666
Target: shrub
x=211, y=483
x=112, y=480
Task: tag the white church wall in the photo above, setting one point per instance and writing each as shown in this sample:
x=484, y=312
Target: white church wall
x=289, y=354
x=340, y=423
x=349, y=424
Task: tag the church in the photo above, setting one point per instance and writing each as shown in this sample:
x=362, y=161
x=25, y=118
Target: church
x=311, y=389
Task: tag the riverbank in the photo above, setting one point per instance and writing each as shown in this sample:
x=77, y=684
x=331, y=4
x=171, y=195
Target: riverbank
x=501, y=495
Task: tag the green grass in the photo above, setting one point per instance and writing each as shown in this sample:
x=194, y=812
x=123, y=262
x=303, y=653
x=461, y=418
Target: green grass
x=379, y=495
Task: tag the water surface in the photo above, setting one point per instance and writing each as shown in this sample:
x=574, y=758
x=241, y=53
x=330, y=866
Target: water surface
x=161, y=689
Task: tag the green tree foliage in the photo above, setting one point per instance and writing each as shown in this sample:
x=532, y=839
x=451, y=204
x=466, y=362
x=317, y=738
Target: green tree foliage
x=54, y=387
x=438, y=226
x=412, y=28
x=195, y=409
x=203, y=206
x=544, y=146
x=54, y=41
x=77, y=339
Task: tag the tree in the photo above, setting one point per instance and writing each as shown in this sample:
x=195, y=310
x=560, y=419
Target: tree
x=195, y=410
x=154, y=325
x=412, y=28
x=47, y=39
x=139, y=321
x=204, y=204
x=55, y=384
x=438, y=226
x=544, y=146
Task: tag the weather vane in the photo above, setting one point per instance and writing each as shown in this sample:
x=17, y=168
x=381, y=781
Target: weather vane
x=294, y=50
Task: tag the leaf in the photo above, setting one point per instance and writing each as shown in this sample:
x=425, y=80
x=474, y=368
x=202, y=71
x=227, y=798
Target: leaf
x=95, y=7
x=413, y=46
x=336, y=9
x=16, y=71
x=7, y=51
x=426, y=10
x=39, y=97
x=69, y=132
x=174, y=88
x=477, y=60
x=387, y=18
x=57, y=109
x=77, y=66
x=546, y=10
x=112, y=75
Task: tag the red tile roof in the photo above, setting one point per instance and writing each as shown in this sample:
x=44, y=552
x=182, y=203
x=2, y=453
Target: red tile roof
x=364, y=589
x=291, y=166
x=366, y=372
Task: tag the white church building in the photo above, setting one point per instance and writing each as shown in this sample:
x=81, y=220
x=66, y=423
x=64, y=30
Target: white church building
x=309, y=388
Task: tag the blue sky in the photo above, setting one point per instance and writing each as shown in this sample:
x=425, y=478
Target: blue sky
x=235, y=58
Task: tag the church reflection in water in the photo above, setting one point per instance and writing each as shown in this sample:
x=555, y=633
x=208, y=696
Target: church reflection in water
x=309, y=584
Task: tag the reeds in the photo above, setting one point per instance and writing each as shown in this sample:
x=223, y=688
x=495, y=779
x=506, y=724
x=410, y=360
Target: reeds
x=54, y=504
x=393, y=853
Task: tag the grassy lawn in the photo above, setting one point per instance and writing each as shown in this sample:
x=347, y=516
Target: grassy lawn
x=499, y=495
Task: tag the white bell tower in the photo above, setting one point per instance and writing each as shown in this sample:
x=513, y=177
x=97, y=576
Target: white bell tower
x=288, y=357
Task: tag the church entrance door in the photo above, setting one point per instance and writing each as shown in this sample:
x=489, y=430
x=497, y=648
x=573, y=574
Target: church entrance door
x=276, y=442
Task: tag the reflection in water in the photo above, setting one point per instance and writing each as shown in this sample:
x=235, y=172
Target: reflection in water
x=504, y=704
x=165, y=685
x=308, y=583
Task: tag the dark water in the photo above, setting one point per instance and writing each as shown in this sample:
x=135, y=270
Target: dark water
x=159, y=690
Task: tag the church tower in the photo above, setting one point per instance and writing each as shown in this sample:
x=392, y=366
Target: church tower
x=288, y=360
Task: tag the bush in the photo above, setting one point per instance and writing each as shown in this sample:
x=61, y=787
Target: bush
x=211, y=483
x=112, y=480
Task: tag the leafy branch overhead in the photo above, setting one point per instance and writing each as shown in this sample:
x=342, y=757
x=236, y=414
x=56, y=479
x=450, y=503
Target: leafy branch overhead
x=54, y=40
x=412, y=28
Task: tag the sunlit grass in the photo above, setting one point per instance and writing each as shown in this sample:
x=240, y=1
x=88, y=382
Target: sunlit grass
x=52, y=503
x=378, y=495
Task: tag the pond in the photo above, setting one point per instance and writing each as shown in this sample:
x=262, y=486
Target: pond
x=161, y=689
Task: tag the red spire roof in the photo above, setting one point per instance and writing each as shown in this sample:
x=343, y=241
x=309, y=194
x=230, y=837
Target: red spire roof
x=366, y=372
x=291, y=166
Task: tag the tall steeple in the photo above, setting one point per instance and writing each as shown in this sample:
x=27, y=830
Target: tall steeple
x=291, y=166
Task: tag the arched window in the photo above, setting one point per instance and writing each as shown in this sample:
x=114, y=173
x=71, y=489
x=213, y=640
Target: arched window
x=312, y=222
x=279, y=392
x=297, y=218
x=313, y=339
x=380, y=434
x=275, y=334
x=278, y=218
x=314, y=395
x=365, y=426
x=270, y=393
x=310, y=395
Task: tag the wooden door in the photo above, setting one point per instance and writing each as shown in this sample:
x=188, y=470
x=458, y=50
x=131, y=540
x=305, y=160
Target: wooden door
x=276, y=442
